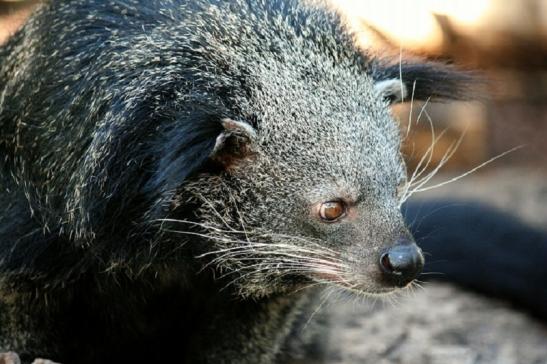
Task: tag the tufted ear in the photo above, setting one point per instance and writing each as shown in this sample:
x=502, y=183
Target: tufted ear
x=392, y=90
x=186, y=148
x=233, y=143
x=424, y=80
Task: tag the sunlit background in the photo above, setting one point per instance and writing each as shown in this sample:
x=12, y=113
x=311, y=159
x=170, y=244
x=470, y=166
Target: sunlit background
x=412, y=24
x=507, y=40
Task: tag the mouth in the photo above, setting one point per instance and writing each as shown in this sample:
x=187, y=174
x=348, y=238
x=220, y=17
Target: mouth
x=358, y=288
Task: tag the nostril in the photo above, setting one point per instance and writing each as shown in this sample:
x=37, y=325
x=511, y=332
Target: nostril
x=386, y=263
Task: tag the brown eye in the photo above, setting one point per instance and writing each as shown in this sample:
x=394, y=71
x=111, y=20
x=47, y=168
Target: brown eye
x=332, y=210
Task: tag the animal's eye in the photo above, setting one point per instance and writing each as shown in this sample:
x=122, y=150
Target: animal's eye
x=332, y=211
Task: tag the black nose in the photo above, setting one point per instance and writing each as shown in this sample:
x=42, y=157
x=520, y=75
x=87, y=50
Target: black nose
x=402, y=263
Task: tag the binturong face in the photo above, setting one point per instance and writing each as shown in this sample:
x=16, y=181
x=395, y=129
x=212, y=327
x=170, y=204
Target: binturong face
x=307, y=177
x=311, y=193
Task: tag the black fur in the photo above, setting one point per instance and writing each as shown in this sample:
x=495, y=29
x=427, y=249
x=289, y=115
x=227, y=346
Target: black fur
x=429, y=80
x=483, y=249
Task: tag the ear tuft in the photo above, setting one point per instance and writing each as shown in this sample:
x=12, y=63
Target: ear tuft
x=186, y=147
x=392, y=90
x=424, y=80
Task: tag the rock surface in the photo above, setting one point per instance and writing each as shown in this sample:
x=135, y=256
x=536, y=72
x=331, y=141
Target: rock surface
x=437, y=325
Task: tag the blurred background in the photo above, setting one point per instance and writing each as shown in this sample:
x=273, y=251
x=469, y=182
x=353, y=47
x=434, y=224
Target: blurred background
x=12, y=14
x=506, y=41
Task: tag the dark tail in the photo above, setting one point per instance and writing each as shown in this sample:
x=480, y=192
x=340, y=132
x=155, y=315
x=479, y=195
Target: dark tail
x=483, y=249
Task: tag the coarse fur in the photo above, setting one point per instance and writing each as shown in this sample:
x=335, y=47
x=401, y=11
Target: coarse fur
x=164, y=162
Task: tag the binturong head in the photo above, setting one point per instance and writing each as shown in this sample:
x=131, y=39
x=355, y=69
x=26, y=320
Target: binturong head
x=302, y=176
x=311, y=195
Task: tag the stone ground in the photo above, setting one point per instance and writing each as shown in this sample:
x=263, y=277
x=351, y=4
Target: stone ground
x=446, y=325
x=439, y=325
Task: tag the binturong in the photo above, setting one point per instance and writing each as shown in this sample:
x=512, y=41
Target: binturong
x=180, y=177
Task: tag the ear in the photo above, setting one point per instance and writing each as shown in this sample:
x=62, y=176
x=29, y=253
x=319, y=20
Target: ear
x=186, y=147
x=424, y=80
x=233, y=143
x=392, y=90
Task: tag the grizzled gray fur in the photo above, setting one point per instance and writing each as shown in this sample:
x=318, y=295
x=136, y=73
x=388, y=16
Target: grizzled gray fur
x=178, y=177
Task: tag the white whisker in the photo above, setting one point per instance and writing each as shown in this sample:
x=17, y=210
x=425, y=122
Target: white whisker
x=411, y=107
x=470, y=171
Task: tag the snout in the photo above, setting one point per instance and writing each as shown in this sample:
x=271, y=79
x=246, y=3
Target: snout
x=401, y=263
